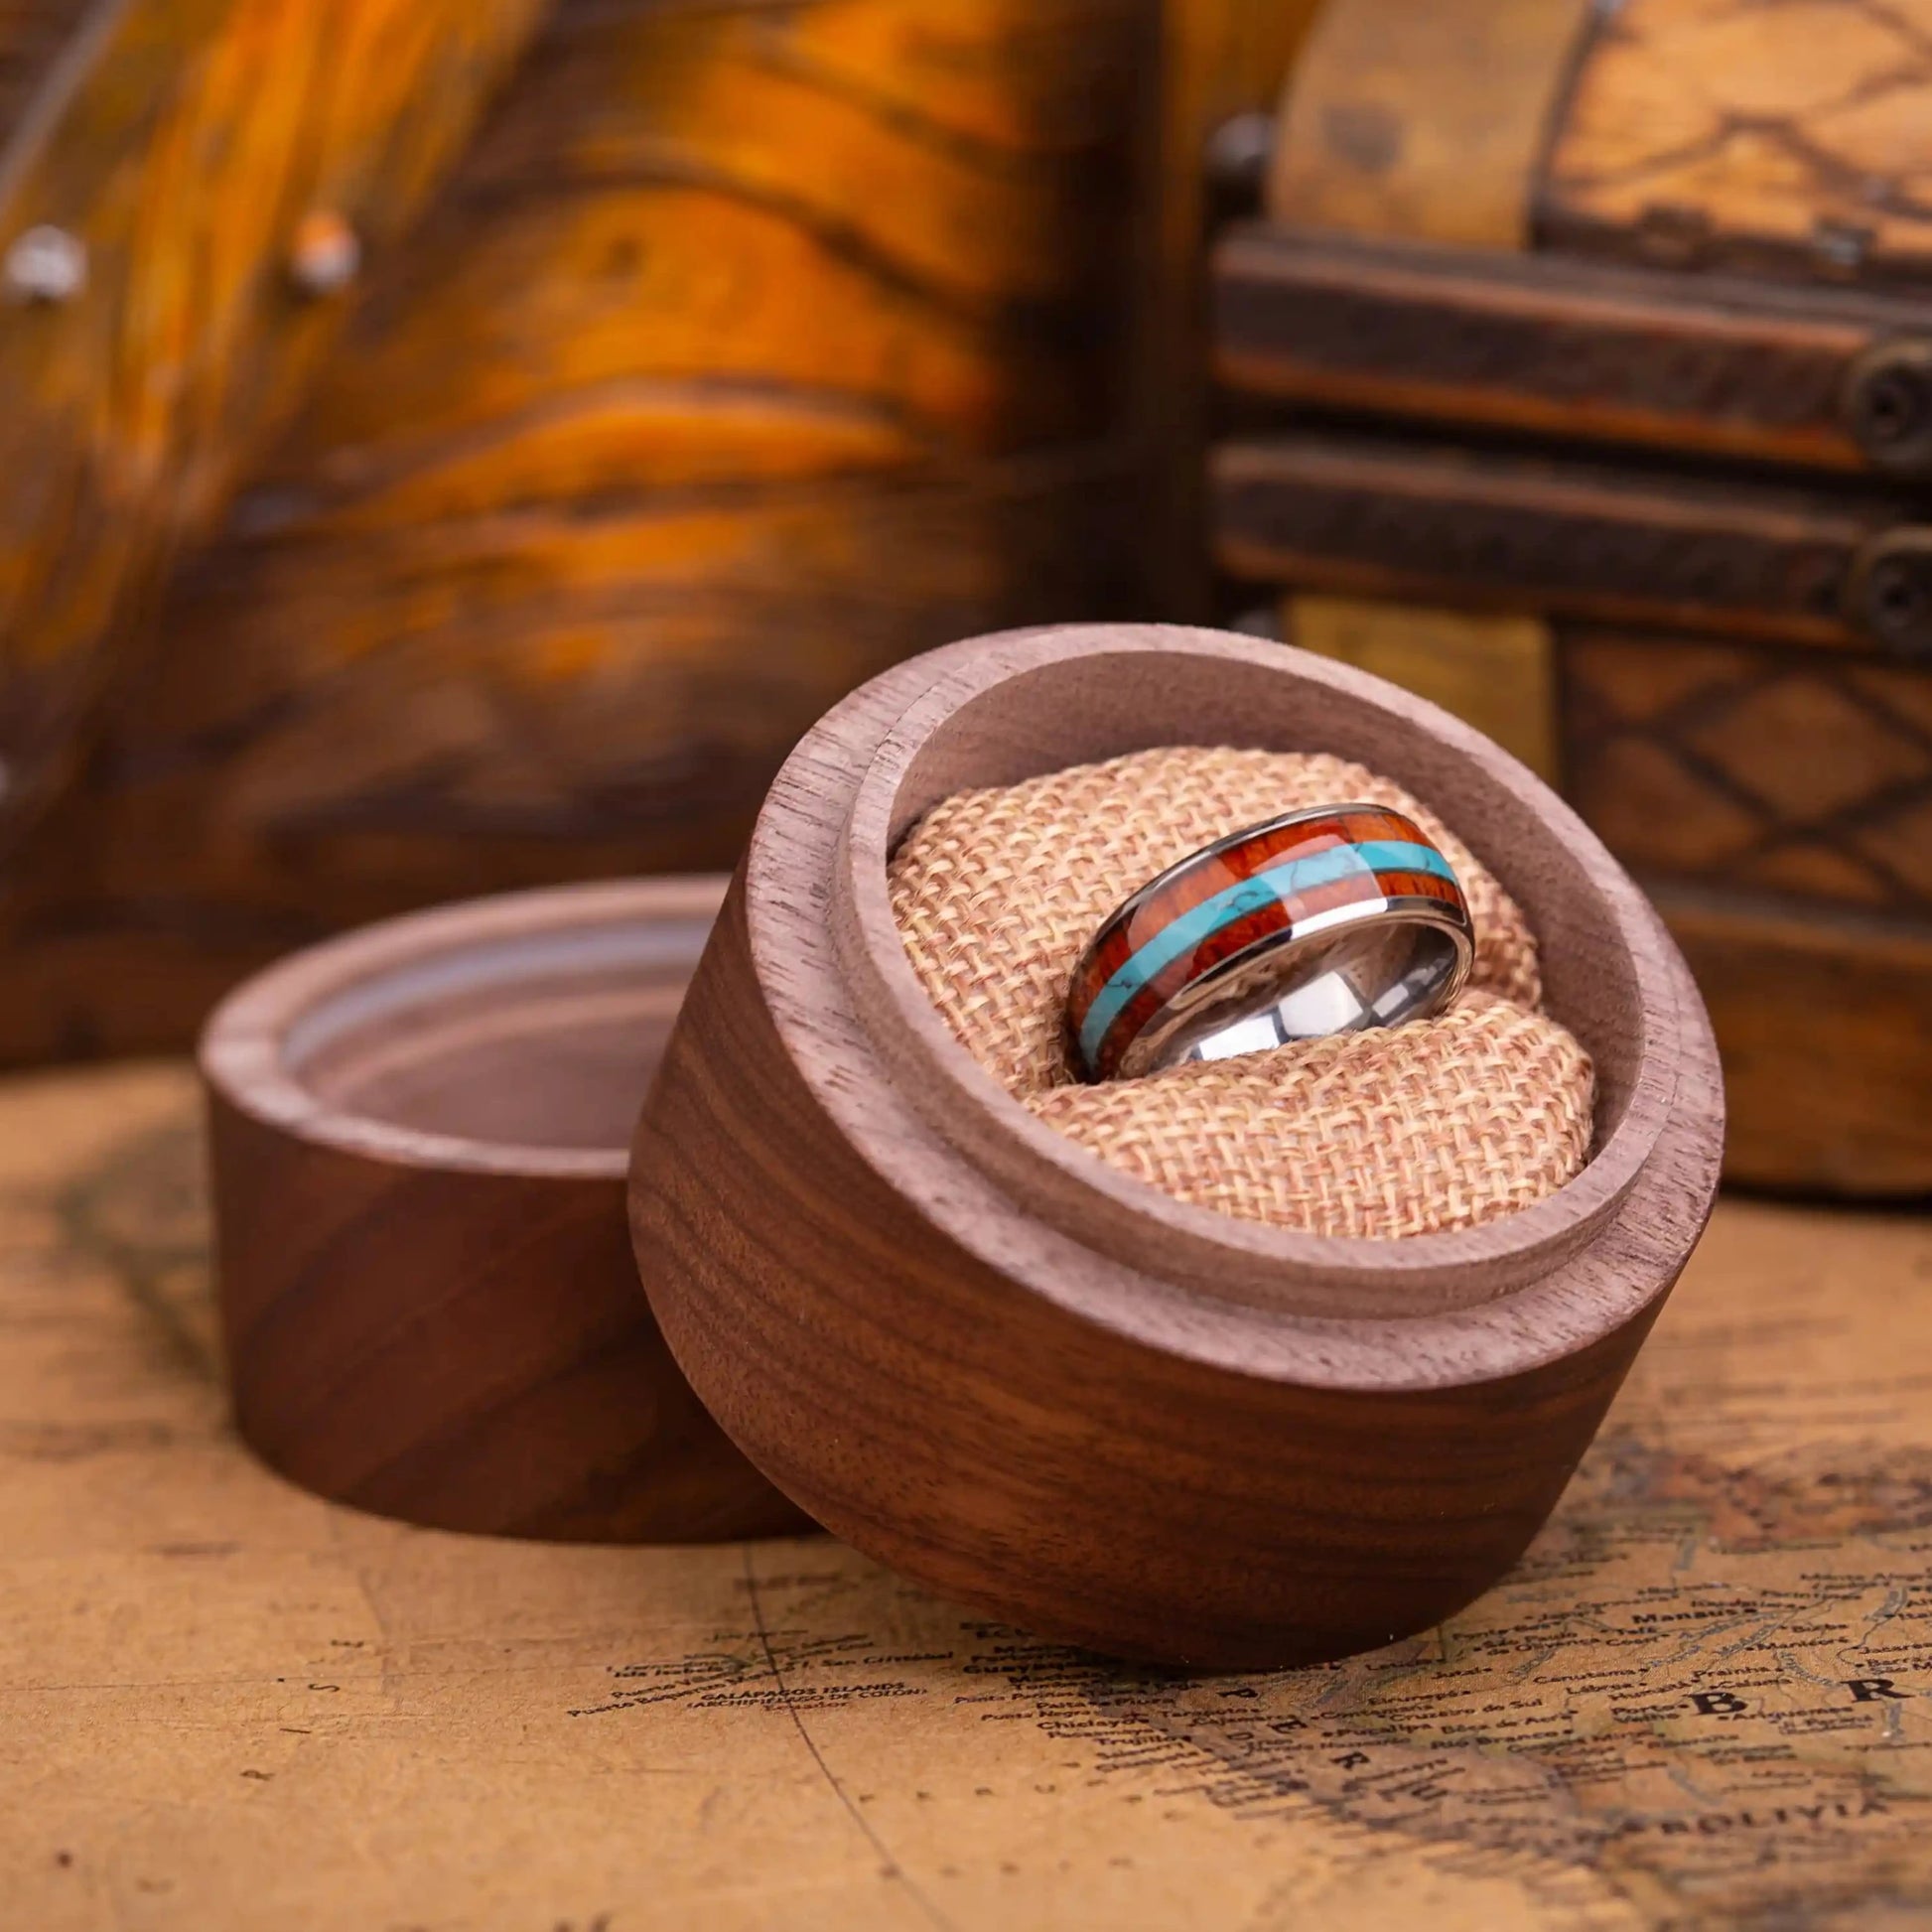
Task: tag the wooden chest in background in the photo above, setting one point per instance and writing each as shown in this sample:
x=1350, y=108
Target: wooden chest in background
x=1583, y=376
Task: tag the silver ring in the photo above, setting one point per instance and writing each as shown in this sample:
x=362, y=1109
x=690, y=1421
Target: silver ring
x=1326, y=921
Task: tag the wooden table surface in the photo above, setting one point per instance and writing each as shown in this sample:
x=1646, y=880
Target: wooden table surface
x=1703, y=1699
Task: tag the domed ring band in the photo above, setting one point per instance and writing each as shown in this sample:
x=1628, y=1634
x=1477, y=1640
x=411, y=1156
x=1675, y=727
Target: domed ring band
x=1320, y=921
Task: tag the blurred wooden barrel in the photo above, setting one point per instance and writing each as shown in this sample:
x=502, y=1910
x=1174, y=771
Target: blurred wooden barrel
x=473, y=441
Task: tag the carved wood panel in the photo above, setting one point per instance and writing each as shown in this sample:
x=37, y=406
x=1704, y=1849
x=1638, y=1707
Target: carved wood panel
x=1549, y=534
x=1704, y=365
x=1750, y=768
x=1780, y=135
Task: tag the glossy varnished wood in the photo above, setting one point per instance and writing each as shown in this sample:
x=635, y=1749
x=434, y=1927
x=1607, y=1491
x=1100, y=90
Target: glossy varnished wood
x=1027, y=1380
x=180, y=145
x=744, y=349
x=430, y=1306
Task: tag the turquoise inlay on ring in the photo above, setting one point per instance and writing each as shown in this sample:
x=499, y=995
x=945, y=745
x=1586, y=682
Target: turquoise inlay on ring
x=1188, y=929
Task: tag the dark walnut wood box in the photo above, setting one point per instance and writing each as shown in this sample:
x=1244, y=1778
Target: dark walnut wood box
x=1581, y=376
x=430, y=1306
x=1034, y=1384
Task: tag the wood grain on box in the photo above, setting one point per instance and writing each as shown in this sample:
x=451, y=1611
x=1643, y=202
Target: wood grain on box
x=1037, y=1385
x=1827, y=1051
x=1787, y=770
x=429, y=1303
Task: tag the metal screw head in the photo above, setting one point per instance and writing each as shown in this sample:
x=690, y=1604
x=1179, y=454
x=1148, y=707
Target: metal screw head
x=325, y=254
x=1890, y=591
x=44, y=264
x=1887, y=405
x=1237, y=159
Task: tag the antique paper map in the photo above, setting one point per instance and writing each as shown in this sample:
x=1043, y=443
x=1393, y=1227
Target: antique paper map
x=1705, y=1699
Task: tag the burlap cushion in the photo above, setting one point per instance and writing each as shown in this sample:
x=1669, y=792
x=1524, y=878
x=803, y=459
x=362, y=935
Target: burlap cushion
x=1438, y=1125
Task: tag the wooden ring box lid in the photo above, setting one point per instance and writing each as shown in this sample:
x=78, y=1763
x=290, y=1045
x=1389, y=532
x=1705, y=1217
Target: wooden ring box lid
x=430, y=1301
x=1034, y=1384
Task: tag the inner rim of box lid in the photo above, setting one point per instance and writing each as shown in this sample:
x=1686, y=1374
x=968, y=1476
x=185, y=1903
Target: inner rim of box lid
x=541, y=1038
x=537, y=1038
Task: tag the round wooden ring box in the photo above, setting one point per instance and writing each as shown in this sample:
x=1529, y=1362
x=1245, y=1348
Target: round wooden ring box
x=1037, y=1385
x=429, y=1297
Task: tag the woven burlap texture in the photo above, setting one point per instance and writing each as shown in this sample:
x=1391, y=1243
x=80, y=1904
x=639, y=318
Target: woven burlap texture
x=1442, y=1124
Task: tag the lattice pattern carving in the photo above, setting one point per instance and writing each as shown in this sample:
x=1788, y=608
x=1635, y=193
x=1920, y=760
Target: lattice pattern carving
x=1793, y=771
